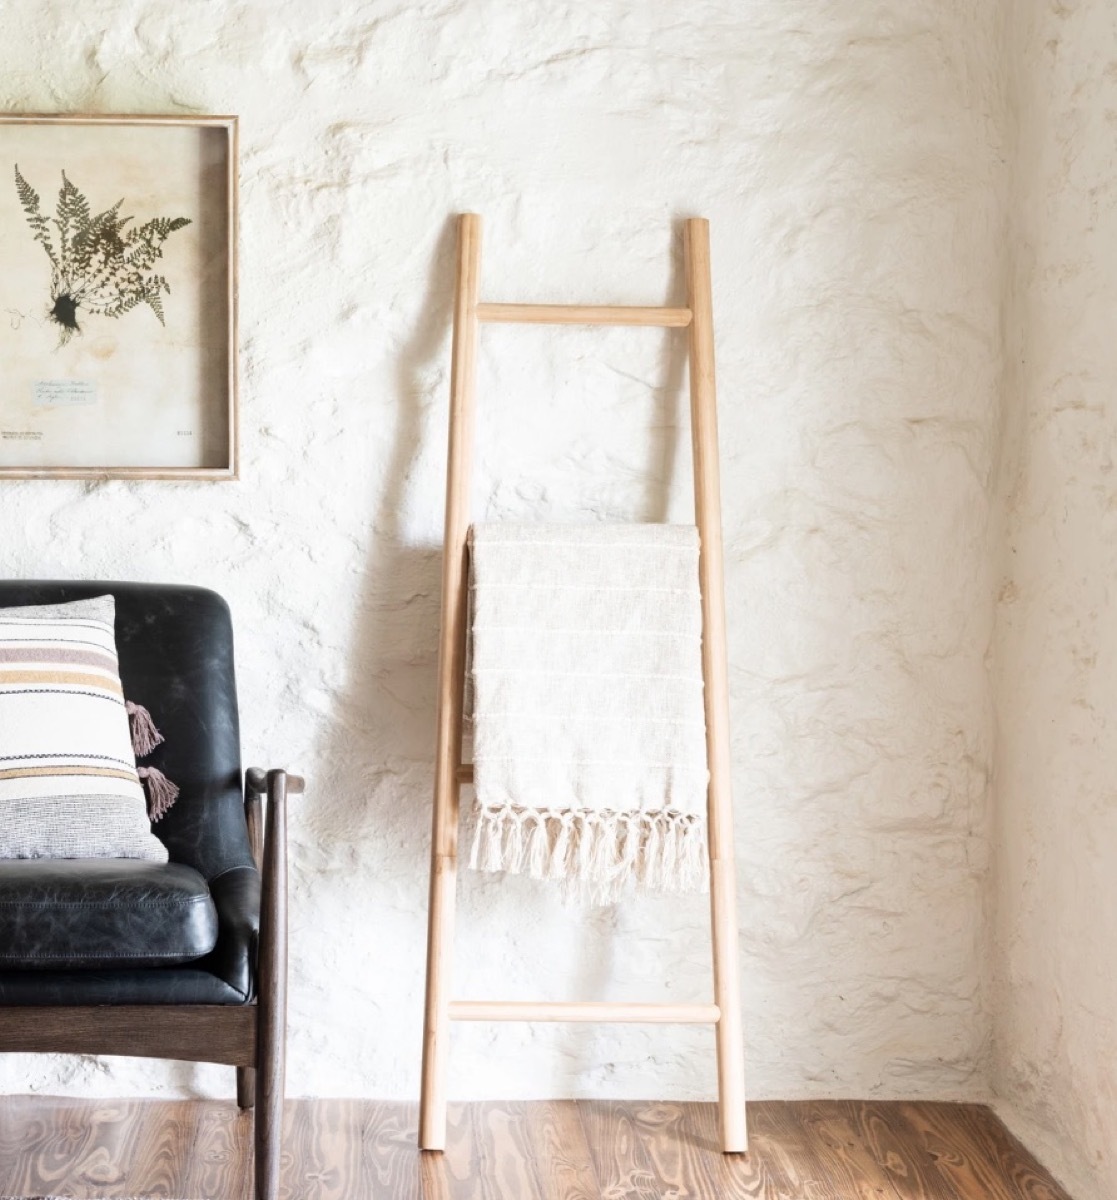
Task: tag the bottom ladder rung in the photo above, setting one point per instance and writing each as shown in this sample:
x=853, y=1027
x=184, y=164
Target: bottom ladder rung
x=529, y=1010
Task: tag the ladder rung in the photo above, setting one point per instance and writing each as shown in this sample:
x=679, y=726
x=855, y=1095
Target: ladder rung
x=531, y=1010
x=583, y=314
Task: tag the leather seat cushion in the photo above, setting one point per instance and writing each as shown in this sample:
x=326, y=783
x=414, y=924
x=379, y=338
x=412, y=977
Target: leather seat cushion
x=90, y=914
x=190, y=983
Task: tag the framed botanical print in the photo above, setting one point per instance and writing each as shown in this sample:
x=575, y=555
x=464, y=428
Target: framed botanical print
x=118, y=297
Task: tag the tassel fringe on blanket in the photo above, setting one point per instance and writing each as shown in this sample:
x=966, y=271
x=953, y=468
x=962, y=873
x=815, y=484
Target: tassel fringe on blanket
x=599, y=856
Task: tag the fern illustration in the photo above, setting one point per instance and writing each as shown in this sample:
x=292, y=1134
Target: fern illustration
x=96, y=265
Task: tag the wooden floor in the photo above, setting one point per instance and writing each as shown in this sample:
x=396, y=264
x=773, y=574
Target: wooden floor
x=566, y=1150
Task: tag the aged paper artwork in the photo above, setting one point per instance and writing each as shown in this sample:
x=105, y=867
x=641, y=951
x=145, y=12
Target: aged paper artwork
x=115, y=323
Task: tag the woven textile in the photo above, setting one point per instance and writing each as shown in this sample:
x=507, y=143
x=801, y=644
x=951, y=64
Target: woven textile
x=68, y=781
x=589, y=744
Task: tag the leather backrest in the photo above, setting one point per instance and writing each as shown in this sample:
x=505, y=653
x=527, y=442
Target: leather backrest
x=176, y=658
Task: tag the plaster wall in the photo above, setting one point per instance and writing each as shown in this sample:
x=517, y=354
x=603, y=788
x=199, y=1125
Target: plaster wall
x=850, y=159
x=1056, y=922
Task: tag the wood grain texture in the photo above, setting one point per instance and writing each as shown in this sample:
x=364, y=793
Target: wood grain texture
x=841, y=1155
x=557, y=1150
x=975, y=1153
x=533, y=1151
x=217, y=1163
x=92, y=1149
x=220, y=1033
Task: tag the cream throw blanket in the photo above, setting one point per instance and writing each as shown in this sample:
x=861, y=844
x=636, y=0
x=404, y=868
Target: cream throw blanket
x=589, y=743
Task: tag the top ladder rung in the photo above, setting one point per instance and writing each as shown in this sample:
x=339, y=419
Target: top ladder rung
x=534, y=1010
x=583, y=314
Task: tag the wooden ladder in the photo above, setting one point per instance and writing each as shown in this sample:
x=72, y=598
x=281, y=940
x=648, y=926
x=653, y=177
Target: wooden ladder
x=450, y=772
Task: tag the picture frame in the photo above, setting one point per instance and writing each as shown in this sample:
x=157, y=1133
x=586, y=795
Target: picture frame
x=118, y=297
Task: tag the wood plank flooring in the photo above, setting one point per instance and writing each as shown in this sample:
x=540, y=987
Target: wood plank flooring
x=560, y=1150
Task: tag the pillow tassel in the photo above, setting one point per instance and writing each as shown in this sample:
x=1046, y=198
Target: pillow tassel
x=145, y=737
x=161, y=793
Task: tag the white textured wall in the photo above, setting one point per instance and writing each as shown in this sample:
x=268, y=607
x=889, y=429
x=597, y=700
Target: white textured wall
x=1056, y=989
x=850, y=159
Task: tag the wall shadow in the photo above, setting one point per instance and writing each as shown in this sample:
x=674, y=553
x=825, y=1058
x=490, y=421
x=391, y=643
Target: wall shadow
x=389, y=694
x=380, y=744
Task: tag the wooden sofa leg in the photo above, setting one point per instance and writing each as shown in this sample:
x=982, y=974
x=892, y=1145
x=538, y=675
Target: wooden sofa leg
x=246, y=1087
x=271, y=1015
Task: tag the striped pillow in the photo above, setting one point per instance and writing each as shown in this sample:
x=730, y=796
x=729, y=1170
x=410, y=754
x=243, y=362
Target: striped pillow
x=68, y=782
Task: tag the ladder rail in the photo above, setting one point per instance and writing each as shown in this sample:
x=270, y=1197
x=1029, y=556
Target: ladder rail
x=715, y=673
x=451, y=690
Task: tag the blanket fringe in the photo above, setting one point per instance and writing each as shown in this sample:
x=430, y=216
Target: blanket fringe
x=599, y=856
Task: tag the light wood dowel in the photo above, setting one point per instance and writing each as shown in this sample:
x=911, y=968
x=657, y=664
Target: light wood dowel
x=451, y=689
x=583, y=314
x=530, y=1010
x=711, y=576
